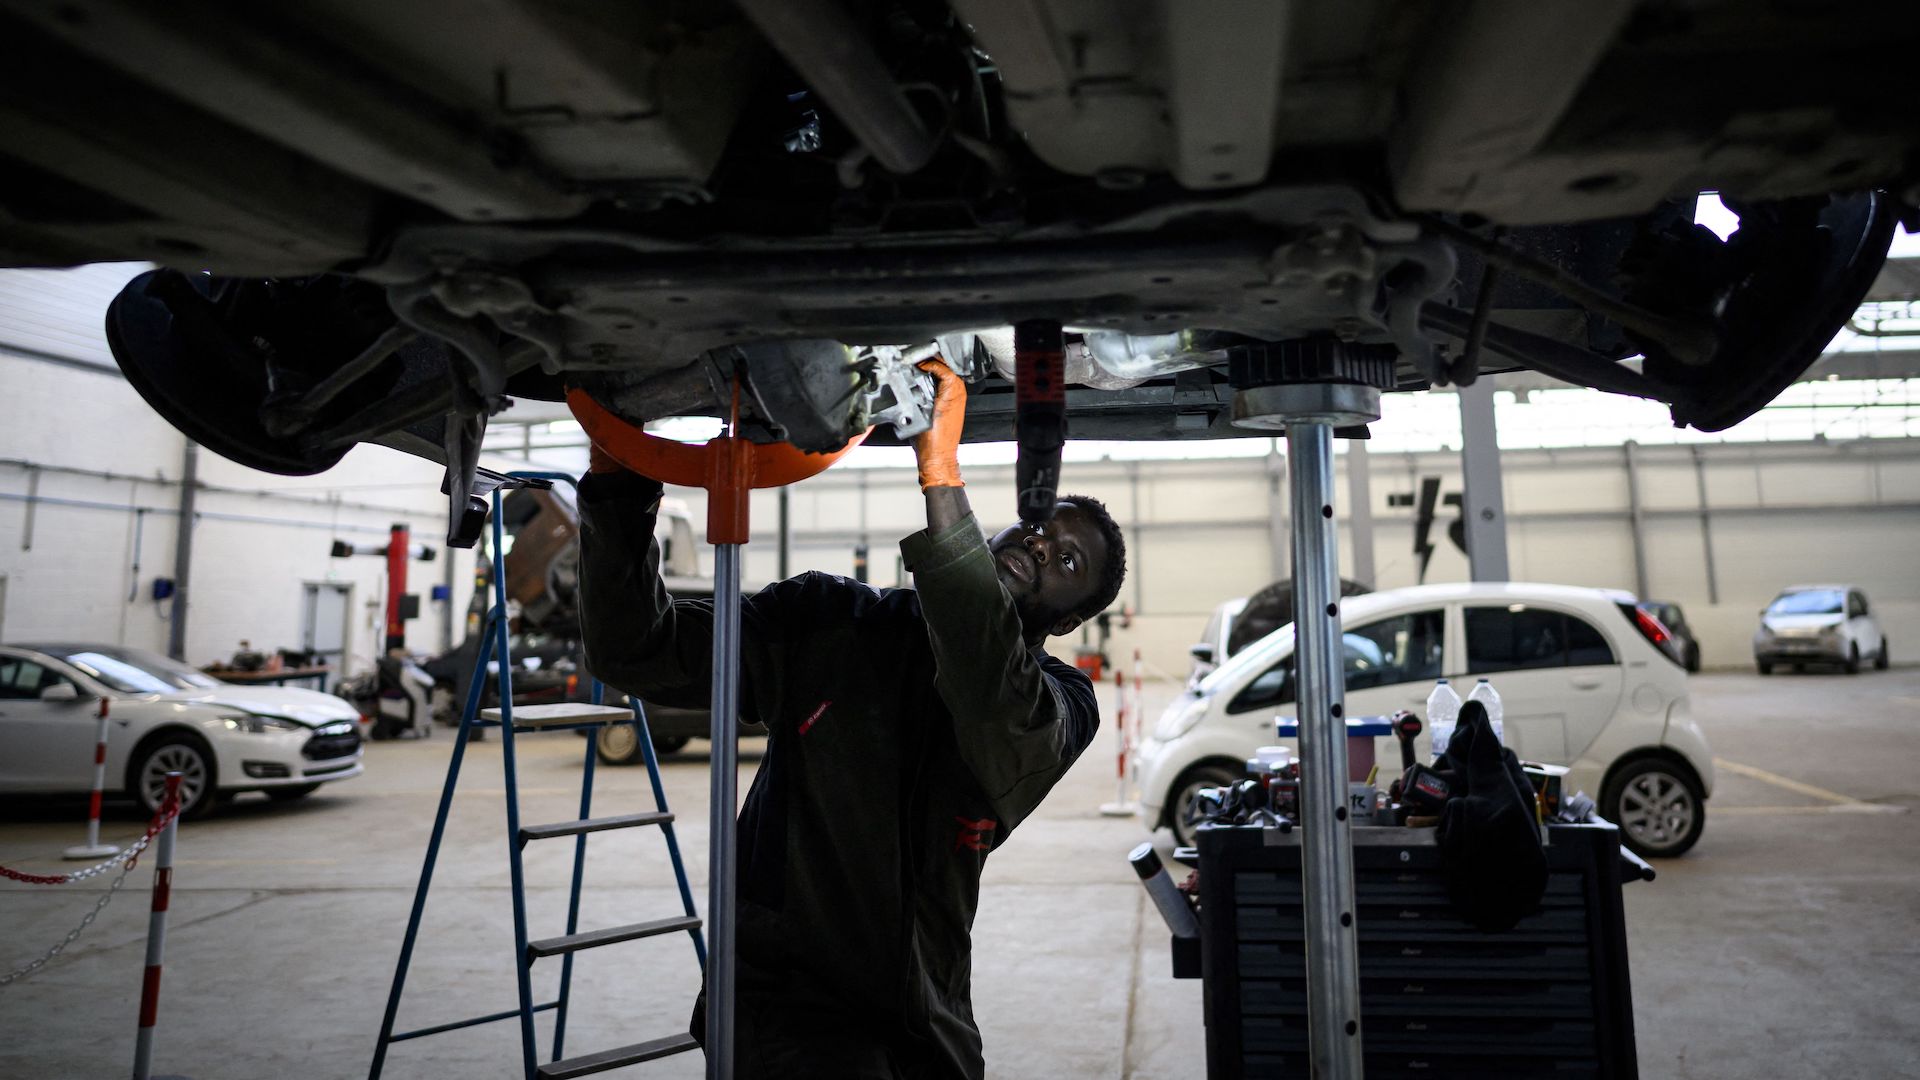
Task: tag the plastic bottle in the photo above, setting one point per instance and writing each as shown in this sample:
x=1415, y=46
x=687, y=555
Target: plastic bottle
x=1485, y=694
x=1443, y=711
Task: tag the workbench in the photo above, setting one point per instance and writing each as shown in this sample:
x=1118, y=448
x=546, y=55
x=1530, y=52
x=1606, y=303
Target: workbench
x=318, y=674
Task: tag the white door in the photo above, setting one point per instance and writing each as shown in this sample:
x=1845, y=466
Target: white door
x=44, y=745
x=1861, y=629
x=323, y=624
x=1558, y=676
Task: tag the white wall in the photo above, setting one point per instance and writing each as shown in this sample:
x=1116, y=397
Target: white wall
x=258, y=537
x=1780, y=513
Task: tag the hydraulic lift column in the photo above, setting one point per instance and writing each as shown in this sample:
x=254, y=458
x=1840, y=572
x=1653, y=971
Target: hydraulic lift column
x=1309, y=389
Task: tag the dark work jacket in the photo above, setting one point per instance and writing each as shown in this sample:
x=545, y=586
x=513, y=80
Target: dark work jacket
x=910, y=730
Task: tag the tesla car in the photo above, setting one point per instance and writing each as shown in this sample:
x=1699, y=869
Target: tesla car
x=377, y=222
x=163, y=717
x=1586, y=678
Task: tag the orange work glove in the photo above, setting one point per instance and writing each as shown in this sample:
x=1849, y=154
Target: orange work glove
x=599, y=461
x=937, y=448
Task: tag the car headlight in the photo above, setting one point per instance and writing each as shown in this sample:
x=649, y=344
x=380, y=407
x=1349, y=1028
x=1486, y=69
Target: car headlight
x=259, y=725
x=1180, y=718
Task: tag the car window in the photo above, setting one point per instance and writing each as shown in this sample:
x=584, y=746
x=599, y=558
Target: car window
x=1403, y=648
x=1521, y=638
x=20, y=678
x=1863, y=604
x=1586, y=645
x=1807, y=602
x=1856, y=605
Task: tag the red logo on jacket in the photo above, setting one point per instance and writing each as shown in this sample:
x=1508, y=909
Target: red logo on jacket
x=975, y=834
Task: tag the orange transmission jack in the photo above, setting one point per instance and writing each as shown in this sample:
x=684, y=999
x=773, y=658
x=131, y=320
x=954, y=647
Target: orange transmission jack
x=729, y=468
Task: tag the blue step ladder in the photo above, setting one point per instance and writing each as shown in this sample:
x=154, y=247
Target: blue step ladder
x=562, y=717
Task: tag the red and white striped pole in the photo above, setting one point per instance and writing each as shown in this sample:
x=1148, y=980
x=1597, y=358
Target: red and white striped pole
x=157, y=932
x=93, y=848
x=1119, y=807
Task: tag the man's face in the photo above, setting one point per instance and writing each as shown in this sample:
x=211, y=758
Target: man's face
x=1052, y=570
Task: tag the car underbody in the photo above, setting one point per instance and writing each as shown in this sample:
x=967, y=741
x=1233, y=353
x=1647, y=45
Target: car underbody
x=381, y=222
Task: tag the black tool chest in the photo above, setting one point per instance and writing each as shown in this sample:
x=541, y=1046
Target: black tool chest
x=1549, y=998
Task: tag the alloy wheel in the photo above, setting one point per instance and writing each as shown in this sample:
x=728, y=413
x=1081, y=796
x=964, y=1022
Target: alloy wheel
x=1657, y=809
x=180, y=758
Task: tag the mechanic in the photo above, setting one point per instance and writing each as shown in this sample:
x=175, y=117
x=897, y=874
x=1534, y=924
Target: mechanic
x=910, y=731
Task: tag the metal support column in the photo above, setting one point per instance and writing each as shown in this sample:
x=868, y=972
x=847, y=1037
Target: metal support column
x=1706, y=524
x=1277, y=566
x=1360, y=511
x=786, y=535
x=1485, y=511
x=721, y=860
x=1310, y=412
x=183, y=553
x=1636, y=520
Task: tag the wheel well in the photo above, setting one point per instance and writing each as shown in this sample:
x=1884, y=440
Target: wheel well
x=1652, y=753
x=1166, y=805
x=159, y=734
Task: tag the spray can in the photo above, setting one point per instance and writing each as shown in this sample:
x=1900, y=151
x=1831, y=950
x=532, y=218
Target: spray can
x=1166, y=895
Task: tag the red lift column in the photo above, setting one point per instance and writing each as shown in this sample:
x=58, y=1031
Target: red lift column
x=397, y=545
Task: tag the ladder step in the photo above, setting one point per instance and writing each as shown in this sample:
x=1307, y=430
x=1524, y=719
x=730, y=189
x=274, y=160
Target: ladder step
x=536, y=717
x=598, y=824
x=588, y=1064
x=592, y=939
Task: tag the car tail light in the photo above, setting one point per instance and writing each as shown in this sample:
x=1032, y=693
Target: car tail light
x=1654, y=631
x=573, y=685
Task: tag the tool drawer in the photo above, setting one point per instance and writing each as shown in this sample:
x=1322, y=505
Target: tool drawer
x=1439, y=997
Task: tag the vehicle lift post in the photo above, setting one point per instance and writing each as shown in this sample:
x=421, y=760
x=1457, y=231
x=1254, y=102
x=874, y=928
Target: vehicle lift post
x=1310, y=412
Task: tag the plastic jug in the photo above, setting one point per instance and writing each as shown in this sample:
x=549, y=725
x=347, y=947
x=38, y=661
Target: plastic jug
x=1443, y=711
x=1486, y=695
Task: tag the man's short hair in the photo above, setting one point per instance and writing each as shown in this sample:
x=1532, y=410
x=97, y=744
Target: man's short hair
x=1114, y=571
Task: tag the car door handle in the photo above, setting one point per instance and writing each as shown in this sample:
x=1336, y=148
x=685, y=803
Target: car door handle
x=1586, y=683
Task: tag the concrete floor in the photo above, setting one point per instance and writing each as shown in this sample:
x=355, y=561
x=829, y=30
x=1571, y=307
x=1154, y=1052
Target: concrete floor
x=1784, y=944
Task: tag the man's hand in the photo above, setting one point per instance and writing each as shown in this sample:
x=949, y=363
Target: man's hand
x=937, y=448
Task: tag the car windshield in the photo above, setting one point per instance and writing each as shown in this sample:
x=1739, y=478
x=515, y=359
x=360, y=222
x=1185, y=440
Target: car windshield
x=136, y=671
x=1807, y=602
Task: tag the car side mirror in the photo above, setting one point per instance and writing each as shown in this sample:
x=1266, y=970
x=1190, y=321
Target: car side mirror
x=1202, y=652
x=60, y=691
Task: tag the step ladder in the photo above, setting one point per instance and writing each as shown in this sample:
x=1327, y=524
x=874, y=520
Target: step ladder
x=528, y=718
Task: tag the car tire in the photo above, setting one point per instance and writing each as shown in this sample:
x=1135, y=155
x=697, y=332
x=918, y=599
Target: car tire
x=1852, y=664
x=289, y=794
x=1693, y=660
x=1880, y=659
x=192, y=758
x=619, y=744
x=1765, y=668
x=1180, y=795
x=1658, y=805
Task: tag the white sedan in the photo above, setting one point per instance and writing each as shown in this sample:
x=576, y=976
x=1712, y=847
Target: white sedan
x=163, y=717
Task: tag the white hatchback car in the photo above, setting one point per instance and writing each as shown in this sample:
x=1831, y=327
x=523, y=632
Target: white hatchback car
x=1819, y=624
x=1586, y=679
x=164, y=717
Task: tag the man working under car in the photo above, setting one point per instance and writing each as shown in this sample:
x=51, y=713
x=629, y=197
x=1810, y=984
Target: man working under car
x=910, y=730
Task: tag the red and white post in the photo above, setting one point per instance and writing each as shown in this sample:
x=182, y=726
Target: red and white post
x=1119, y=807
x=93, y=848
x=157, y=933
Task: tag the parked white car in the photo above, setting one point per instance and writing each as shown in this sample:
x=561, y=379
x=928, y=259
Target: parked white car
x=163, y=717
x=1819, y=624
x=1587, y=679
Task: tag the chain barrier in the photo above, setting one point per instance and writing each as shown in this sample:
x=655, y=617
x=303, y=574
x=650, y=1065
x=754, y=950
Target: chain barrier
x=130, y=857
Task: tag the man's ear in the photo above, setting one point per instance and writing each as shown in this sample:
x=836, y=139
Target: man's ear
x=1067, y=625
